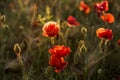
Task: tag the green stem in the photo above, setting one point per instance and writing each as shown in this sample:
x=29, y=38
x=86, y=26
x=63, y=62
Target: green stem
x=52, y=41
x=101, y=45
x=25, y=76
x=85, y=74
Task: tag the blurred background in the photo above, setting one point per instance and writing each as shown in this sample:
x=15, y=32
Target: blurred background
x=21, y=21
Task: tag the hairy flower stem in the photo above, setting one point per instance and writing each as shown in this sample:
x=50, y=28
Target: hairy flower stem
x=105, y=52
x=67, y=35
x=52, y=41
x=85, y=73
x=17, y=50
x=101, y=46
x=21, y=4
x=103, y=49
x=22, y=65
x=34, y=14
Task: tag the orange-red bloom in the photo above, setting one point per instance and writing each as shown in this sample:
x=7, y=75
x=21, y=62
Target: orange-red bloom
x=104, y=33
x=84, y=7
x=57, y=57
x=103, y=6
x=119, y=42
x=50, y=29
x=58, y=63
x=107, y=17
x=59, y=51
x=71, y=21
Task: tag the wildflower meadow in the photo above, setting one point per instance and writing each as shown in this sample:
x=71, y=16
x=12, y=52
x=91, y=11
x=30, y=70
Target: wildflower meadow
x=59, y=39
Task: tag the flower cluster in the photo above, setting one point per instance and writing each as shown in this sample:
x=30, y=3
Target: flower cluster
x=51, y=29
x=101, y=8
x=104, y=33
x=57, y=57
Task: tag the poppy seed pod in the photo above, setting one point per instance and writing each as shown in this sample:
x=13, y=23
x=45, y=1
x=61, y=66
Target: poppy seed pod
x=17, y=49
x=84, y=31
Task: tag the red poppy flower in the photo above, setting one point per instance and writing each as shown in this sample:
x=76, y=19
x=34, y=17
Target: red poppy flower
x=84, y=7
x=58, y=63
x=56, y=59
x=103, y=6
x=60, y=51
x=71, y=21
x=107, y=17
x=50, y=29
x=119, y=42
x=104, y=33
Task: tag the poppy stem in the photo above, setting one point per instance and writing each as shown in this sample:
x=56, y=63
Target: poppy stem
x=85, y=73
x=52, y=41
x=17, y=50
x=101, y=46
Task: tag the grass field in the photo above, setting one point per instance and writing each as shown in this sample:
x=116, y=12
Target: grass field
x=60, y=39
